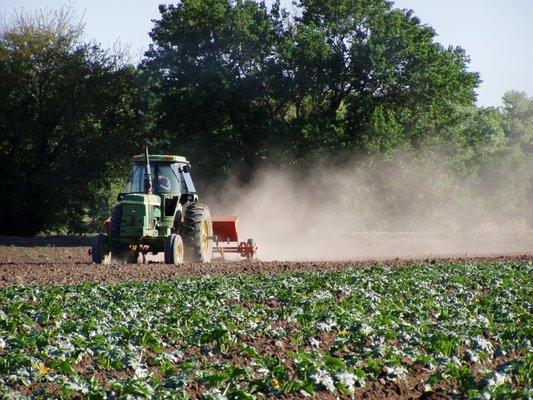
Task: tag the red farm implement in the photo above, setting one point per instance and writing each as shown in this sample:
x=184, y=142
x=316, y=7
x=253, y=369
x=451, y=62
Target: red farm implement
x=226, y=238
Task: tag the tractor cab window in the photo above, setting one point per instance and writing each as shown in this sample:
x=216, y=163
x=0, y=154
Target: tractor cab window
x=136, y=182
x=164, y=179
x=181, y=170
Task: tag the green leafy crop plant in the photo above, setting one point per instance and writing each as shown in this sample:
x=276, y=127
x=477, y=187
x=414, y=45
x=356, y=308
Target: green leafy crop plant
x=467, y=326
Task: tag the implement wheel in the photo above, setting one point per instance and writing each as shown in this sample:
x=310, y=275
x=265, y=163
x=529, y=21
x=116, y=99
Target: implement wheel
x=174, y=250
x=251, y=243
x=197, y=230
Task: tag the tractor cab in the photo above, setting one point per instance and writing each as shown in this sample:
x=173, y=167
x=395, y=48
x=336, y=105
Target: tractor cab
x=171, y=180
x=170, y=175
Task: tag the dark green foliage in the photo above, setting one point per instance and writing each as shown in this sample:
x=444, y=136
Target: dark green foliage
x=235, y=84
x=67, y=123
x=236, y=80
x=467, y=326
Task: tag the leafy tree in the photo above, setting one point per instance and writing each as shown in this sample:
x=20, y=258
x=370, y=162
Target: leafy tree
x=233, y=84
x=233, y=79
x=513, y=165
x=518, y=110
x=493, y=153
x=67, y=113
x=210, y=67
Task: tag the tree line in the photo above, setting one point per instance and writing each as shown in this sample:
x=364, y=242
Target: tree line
x=235, y=85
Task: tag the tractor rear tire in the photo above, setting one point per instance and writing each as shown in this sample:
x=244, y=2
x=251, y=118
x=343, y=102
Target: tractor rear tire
x=99, y=253
x=197, y=233
x=174, y=249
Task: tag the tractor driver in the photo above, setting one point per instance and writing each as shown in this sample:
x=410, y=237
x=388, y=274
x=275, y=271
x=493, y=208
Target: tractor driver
x=163, y=183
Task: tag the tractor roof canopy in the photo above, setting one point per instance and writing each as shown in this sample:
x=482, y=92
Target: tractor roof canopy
x=159, y=158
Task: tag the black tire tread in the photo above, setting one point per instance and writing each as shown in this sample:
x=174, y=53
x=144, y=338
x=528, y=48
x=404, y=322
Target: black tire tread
x=97, y=250
x=192, y=219
x=114, y=229
x=169, y=242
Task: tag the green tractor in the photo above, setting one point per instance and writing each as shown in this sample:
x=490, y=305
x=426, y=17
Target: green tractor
x=159, y=212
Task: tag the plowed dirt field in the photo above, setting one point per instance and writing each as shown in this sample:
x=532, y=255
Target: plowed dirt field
x=65, y=260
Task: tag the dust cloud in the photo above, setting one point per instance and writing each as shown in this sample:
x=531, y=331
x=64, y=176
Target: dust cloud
x=398, y=207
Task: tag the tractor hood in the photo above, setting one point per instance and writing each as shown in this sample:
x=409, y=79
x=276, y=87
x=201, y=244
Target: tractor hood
x=139, y=212
x=140, y=198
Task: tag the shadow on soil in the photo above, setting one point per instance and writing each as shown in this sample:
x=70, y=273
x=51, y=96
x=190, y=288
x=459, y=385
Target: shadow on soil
x=42, y=241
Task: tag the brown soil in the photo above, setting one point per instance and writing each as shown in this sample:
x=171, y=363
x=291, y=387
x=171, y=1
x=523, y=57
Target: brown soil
x=51, y=261
x=61, y=261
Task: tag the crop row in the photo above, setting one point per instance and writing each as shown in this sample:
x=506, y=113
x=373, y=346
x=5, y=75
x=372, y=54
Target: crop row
x=463, y=328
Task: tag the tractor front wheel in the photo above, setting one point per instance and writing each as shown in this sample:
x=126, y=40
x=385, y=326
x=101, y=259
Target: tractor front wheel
x=197, y=233
x=119, y=251
x=174, y=250
x=99, y=253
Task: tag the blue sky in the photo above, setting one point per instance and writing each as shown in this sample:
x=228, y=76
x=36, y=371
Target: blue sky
x=497, y=34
